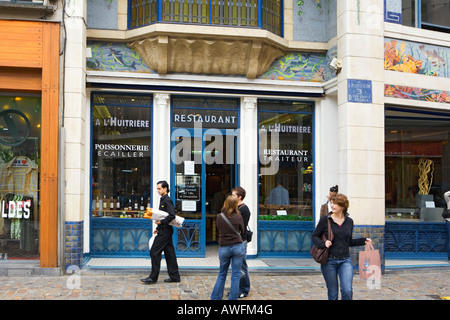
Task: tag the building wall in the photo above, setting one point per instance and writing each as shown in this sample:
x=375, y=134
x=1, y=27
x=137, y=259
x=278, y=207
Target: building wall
x=350, y=129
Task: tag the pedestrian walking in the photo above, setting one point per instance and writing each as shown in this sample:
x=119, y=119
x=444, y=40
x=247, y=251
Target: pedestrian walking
x=231, y=250
x=244, y=283
x=339, y=264
x=325, y=209
x=163, y=239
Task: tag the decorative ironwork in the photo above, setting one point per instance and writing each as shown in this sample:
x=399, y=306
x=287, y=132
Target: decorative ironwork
x=188, y=239
x=120, y=237
x=265, y=14
x=292, y=238
x=416, y=239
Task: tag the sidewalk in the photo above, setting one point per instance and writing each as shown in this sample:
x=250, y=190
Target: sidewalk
x=121, y=284
x=271, y=279
x=211, y=264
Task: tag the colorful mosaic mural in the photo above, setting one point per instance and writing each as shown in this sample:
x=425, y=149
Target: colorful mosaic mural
x=302, y=66
x=419, y=58
x=294, y=66
x=419, y=94
x=115, y=57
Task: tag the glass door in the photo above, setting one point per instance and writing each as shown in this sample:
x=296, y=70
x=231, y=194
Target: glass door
x=204, y=170
x=188, y=177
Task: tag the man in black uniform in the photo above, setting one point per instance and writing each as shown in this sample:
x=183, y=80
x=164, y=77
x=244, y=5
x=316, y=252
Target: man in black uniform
x=244, y=283
x=163, y=240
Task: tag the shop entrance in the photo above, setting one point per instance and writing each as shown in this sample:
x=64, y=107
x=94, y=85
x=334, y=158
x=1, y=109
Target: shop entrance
x=204, y=170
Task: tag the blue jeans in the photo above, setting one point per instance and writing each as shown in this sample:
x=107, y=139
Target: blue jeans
x=447, y=226
x=244, y=283
x=342, y=268
x=234, y=254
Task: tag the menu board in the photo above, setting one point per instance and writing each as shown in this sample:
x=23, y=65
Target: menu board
x=188, y=187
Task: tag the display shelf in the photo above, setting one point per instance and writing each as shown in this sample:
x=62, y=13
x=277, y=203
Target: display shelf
x=118, y=213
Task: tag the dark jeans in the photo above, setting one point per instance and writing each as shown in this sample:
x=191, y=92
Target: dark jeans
x=163, y=242
x=244, y=283
x=234, y=255
x=342, y=269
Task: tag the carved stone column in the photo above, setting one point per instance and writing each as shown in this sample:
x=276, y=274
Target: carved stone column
x=248, y=157
x=161, y=141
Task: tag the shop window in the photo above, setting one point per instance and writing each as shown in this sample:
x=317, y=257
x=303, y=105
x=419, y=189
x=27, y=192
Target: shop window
x=286, y=160
x=121, y=155
x=417, y=161
x=20, y=140
x=427, y=14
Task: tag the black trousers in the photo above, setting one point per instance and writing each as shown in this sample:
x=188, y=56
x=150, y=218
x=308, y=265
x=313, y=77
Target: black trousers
x=163, y=243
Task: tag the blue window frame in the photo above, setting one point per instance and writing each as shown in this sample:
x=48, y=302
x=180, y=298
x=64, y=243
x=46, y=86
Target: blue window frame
x=427, y=14
x=121, y=137
x=286, y=178
x=204, y=141
x=263, y=14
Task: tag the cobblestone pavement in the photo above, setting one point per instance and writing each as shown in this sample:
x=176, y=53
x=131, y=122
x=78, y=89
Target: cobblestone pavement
x=407, y=285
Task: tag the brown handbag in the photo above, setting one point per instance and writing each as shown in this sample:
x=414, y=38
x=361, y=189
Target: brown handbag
x=321, y=255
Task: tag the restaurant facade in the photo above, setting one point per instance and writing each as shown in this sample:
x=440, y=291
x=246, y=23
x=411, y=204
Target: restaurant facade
x=285, y=99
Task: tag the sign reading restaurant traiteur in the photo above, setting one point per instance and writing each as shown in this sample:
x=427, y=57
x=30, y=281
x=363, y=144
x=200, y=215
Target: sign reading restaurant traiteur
x=286, y=152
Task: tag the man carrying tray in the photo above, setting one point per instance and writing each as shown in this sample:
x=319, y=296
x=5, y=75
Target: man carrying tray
x=163, y=239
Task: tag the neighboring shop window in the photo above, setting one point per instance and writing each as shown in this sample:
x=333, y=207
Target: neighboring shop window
x=121, y=155
x=286, y=160
x=20, y=140
x=417, y=163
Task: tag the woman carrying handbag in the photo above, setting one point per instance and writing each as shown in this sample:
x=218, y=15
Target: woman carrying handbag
x=339, y=263
x=231, y=250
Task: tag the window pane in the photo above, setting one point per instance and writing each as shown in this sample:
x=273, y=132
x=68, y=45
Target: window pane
x=417, y=163
x=20, y=135
x=121, y=155
x=436, y=12
x=409, y=13
x=285, y=155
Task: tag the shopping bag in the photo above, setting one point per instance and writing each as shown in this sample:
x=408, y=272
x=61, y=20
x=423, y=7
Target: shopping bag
x=151, y=240
x=369, y=263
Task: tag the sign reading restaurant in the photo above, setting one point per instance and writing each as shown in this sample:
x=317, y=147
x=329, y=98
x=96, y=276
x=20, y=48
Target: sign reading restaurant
x=213, y=119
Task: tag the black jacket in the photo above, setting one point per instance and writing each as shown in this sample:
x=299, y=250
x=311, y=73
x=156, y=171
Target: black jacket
x=245, y=213
x=166, y=204
x=342, y=240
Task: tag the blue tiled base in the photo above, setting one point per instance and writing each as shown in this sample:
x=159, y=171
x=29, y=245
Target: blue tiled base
x=73, y=253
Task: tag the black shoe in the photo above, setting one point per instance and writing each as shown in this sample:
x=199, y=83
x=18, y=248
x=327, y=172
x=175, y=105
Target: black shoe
x=172, y=280
x=148, y=280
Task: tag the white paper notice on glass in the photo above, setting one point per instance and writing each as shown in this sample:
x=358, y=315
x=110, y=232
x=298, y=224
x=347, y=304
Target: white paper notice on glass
x=189, y=167
x=282, y=212
x=188, y=205
x=429, y=204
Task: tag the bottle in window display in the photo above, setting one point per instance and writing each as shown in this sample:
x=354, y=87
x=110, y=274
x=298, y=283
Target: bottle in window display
x=141, y=208
x=104, y=202
x=136, y=204
x=118, y=203
x=97, y=204
x=111, y=203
